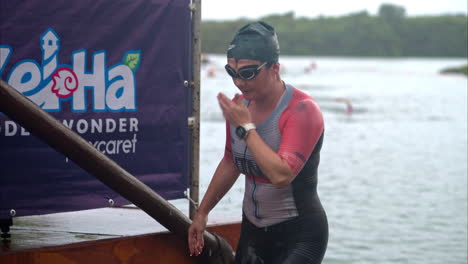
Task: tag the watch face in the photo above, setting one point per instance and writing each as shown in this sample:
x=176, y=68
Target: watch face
x=240, y=132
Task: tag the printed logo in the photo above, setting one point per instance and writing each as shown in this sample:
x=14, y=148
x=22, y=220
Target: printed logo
x=50, y=83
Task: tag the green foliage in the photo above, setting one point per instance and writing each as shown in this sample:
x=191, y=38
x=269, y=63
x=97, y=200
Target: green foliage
x=457, y=70
x=390, y=33
x=132, y=60
x=391, y=13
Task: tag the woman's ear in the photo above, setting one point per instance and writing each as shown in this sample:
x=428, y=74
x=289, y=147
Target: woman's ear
x=276, y=69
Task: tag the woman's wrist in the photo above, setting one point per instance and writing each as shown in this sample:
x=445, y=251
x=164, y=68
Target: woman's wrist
x=202, y=212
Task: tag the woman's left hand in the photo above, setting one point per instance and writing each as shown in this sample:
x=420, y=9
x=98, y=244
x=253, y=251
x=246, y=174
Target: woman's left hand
x=236, y=113
x=196, y=241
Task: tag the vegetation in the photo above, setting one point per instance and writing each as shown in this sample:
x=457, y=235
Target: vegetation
x=458, y=70
x=390, y=33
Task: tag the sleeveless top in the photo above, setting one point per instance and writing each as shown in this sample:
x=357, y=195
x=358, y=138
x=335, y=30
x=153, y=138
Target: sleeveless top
x=295, y=131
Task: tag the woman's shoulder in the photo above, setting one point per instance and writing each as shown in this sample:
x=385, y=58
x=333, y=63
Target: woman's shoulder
x=302, y=100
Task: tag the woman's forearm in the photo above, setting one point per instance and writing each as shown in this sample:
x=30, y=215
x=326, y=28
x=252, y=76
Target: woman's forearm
x=224, y=177
x=271, y=164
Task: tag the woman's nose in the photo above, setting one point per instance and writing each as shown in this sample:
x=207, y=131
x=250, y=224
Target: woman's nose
x=239, y=82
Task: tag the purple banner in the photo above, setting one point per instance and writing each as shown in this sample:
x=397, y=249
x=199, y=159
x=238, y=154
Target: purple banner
x=111, y=70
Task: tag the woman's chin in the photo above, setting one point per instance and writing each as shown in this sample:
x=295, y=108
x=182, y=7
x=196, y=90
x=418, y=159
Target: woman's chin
x=247, y=95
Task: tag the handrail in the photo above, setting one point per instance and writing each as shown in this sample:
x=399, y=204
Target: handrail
x=44, y=126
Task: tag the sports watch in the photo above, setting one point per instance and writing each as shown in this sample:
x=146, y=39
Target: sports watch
x=243, y=130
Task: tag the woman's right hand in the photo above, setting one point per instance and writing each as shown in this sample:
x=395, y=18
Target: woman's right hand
x=195, y=233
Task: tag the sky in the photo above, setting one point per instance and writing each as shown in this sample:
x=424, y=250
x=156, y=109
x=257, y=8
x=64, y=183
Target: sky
x=253, y=9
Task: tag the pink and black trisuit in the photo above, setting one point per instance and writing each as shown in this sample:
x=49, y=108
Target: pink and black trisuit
x=287, y=224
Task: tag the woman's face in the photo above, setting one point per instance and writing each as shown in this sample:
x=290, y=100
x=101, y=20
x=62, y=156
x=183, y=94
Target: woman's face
x=256, y=87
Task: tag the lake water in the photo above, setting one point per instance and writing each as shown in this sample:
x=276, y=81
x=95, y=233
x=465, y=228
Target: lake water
x=393, y=173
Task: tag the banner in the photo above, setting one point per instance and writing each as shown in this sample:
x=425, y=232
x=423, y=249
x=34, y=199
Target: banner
x=115, y=72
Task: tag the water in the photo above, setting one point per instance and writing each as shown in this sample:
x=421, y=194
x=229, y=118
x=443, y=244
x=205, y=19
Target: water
x=393, y=174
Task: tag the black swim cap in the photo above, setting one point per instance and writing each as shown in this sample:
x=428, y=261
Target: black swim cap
x=255, y=41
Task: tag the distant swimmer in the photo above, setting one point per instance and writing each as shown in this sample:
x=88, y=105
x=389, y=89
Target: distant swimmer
x=211, y=72
x=349, y=106
x=312, y=66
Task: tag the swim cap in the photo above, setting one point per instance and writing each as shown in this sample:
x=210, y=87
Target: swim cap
x=255, y=41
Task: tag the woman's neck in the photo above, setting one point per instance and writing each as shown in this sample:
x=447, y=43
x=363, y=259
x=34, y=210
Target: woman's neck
x=271, y=99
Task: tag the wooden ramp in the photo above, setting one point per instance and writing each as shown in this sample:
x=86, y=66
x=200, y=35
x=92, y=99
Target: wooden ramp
x=109, y=235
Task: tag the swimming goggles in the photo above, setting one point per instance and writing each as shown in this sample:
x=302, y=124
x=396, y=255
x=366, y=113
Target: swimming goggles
x=245, y=73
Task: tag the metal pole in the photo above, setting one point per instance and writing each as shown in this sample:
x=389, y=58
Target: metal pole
x=55, y=134
x=195, y=125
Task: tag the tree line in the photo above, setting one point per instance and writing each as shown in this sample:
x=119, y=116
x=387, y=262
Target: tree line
x=390, y=33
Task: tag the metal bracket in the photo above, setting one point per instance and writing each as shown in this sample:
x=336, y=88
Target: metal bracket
x=5, y=230
x=192, y=7
x=188, y=84
x=187, y=196
x=191, y=122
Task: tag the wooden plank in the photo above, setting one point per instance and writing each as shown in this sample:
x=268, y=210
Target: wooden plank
x=153, y=248
x=108, y=235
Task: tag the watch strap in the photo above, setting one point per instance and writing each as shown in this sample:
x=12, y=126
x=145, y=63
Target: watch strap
x=248, y=127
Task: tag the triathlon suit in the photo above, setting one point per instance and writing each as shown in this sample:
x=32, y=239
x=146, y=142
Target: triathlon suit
x=287, y=224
